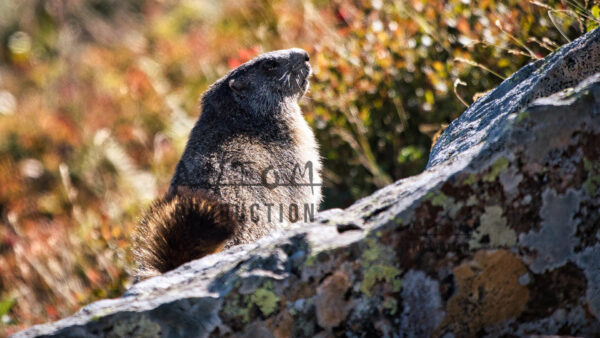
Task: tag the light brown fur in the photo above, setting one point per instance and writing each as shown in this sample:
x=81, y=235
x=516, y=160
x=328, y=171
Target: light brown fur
x=179, y=229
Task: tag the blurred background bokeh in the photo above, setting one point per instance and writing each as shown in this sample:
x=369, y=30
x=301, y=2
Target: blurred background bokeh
x=97, y=99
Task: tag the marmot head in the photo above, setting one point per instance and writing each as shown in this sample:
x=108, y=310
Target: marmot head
x=264, y=83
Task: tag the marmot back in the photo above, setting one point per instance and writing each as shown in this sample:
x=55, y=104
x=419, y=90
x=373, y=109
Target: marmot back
x=251, y=165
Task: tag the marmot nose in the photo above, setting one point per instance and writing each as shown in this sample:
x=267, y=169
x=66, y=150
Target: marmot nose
x=300, y=55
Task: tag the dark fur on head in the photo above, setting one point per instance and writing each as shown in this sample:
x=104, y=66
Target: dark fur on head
x=180, y=228
x=260, y=87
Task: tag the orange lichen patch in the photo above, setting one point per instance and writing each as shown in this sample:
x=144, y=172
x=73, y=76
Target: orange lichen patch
x=488, y=293
x=281, y=324
x=331, y=306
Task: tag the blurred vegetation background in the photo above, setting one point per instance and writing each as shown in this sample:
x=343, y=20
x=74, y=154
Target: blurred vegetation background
x=97, y=99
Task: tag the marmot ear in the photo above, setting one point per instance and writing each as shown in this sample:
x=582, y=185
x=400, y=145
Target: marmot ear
x=238, y=85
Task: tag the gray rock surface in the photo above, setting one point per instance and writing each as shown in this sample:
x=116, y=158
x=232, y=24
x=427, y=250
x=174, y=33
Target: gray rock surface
x=500, y=235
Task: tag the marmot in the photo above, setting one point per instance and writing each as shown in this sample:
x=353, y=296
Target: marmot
x=251, y=165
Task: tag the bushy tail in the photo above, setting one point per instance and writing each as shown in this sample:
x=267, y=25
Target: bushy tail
x=181, y=228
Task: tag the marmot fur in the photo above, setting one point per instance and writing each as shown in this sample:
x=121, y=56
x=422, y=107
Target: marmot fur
x=251, y=165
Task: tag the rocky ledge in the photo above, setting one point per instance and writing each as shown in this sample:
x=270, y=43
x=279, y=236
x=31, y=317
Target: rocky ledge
x=500, y=236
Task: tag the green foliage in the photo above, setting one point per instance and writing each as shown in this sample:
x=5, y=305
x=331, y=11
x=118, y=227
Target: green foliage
x=97, y=99
x=5, y=306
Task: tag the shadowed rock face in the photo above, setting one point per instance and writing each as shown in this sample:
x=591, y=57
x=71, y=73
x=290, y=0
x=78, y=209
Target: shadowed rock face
x=500, y=235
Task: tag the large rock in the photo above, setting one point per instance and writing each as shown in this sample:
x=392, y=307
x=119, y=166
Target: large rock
x=499, y=236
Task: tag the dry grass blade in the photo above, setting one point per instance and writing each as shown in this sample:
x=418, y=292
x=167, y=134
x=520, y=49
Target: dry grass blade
x=479, y=65
x=458, y=82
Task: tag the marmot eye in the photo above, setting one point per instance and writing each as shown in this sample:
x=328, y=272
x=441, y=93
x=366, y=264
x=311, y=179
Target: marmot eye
x=270, y=64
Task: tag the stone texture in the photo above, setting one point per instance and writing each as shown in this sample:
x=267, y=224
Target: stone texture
x=499, y=236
